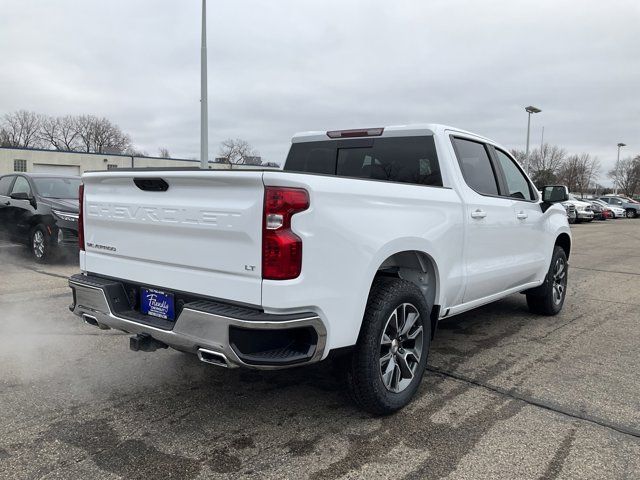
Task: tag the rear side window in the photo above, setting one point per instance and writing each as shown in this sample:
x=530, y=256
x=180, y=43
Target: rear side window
x=516, y=182
x=5, y=183
x=476, y=166
x=399, y=159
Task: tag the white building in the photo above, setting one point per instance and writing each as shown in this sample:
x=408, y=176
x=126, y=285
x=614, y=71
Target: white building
x=76, y=163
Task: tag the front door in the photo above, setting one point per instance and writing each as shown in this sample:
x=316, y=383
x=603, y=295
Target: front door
x=5, y=202
x=19, y=211
x=530, y=220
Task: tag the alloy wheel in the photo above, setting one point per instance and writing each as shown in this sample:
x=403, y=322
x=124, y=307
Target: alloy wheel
x=559, y=280
x=38, y=244
x=401, y=347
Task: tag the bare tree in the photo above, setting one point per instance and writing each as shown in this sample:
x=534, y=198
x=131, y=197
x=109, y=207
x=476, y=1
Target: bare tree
x=626, y=175
x=237, y=152
x=60, y=132
x=22, y=129
x=4, y=138
x=99, y=135
x=163, y=152
x=578, y=171
x=545, y=162
x=68, y=135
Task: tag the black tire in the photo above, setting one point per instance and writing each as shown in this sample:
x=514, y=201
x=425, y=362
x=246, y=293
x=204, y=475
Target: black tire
x=545, y=299
x=631, y=213
x=364, y=366
x=40, y=244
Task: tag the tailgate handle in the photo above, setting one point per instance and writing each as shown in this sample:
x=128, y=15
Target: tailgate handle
x=151, y=184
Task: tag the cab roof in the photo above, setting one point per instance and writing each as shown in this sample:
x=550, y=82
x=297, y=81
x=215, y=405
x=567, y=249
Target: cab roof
x=388, y=131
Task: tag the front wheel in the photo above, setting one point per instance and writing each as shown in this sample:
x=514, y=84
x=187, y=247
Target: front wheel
x=548, y=298
x=390, y=358
x=39, y=244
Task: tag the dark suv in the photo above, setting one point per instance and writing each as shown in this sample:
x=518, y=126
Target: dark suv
x=40, y=210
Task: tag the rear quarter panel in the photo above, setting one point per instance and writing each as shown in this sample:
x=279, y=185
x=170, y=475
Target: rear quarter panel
x=351, y=227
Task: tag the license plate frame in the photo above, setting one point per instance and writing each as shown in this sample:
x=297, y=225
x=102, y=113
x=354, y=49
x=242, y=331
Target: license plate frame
x=157, y=303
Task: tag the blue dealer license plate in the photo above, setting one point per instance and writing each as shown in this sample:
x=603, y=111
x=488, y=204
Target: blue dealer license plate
x=156, y=303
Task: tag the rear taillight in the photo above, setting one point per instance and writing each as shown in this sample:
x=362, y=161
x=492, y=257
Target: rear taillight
x=281, y=248
x=81, y=217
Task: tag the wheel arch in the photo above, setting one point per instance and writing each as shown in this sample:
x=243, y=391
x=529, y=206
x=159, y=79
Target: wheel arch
x=564, y=241
x=419, y=268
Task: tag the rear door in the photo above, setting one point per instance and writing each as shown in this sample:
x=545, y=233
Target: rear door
x=492, y=235
x=192, y=231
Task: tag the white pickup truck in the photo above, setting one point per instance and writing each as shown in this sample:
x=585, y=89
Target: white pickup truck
x=356, y=249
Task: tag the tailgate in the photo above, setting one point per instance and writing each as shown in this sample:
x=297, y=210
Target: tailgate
x=202, y=235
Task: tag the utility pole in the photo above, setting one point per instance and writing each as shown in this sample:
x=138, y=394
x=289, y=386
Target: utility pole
x=204, y=123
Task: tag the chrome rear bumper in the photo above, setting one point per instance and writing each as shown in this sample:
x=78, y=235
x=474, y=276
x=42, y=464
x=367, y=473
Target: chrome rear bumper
x=201, y=325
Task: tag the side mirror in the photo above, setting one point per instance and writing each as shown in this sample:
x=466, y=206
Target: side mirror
x=20, y=196
x=555, y=193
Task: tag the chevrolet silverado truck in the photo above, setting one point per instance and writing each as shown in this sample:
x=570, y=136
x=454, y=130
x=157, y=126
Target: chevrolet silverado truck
x=355, y=250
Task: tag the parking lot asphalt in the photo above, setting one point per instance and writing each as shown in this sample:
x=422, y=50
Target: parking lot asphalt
x=507, y=395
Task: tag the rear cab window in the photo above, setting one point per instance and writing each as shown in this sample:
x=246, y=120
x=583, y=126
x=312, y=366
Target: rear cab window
x=394, y=159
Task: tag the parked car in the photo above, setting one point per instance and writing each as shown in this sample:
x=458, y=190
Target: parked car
x=41, y=211
x=571, y=212
x=631, y=209
x=599, y=211
x=356, y=249
x=584, y=213
x=616, y=212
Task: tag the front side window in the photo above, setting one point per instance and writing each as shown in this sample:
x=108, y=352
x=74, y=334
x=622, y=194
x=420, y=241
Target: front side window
x=476, y=166
x=517, y=183
x=398, y=159
x=21, y=186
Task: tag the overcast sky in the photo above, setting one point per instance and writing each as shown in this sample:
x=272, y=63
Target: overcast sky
x=281, y=66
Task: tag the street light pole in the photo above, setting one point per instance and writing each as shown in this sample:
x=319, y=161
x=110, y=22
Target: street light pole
x=204, y=123
x=530, y=109
x=620, y=145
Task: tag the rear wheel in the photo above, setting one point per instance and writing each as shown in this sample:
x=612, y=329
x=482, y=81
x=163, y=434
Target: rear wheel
x=548, y=298
x=388, y=363
x=631, y=213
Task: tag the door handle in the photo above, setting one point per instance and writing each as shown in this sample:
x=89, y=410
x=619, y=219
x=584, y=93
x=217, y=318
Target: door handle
x=7, y=203
x=478, y=213
x=521, y=215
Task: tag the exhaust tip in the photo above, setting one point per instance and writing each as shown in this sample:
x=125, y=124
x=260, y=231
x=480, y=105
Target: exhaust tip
x=93, y=321
x=213, y=358
x=90, y=320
